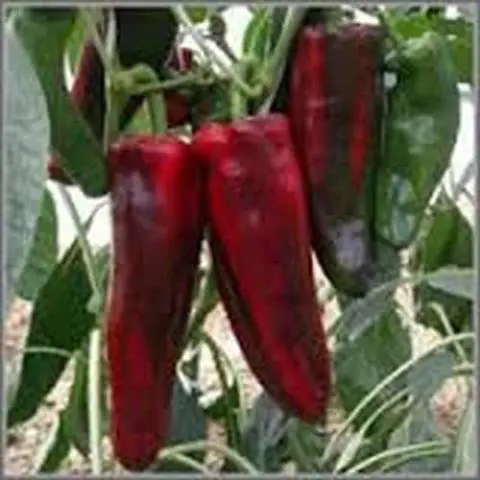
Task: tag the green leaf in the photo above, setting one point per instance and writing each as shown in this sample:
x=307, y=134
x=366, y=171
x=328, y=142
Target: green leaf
x=424, y=380
x=60, y=320
x=76, y=41
x=448, y=241
x=43, y=255
x=263, y=433
x=428, y=374
x=44, y=33
x=55, y=448
x=75, y=414
x=459, y=283
x=216, y=409
x=187, y=424
x=27, y=134
x=364, y=362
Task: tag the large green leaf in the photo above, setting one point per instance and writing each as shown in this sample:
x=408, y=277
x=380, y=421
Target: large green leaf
x=26, y=153
x=44, y=33
x=43, y=254
x=360, y=365
x=60, y=321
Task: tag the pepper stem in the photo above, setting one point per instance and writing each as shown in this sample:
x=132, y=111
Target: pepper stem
x=273, y=72
x=157, y=112
x=183, y=19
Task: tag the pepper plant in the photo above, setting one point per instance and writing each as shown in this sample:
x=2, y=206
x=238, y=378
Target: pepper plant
x=224, y=171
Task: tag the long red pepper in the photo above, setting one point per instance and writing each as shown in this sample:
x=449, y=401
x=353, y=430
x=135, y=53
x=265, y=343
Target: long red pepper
x=260, y=243
x=333, y=106
x=158, y=218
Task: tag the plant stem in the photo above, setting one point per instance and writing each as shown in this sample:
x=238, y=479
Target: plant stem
x=384, y=383
x=447, y=325
x=203, y=445
x=52, y=351
x=94, y=357
x=157, y=112
x=173, y=83
x=273, y=72
x=418, y=450
x=183, y=19
x=190, y=462
x=233, y=433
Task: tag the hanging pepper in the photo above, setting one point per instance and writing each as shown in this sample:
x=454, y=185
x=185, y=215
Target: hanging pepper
x=260, y=245
x=335, y=101
x=158, y=218
x=420, y=132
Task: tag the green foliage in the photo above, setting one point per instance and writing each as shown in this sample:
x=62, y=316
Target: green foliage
x=380, y=419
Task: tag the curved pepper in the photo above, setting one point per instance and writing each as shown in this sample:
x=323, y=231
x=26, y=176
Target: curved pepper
x=260, y=245
x=158, y=219
x=334, y=106
x=420, y=133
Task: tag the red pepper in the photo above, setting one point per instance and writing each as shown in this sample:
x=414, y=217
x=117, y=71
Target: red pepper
x=260, y=244
x=158, y=219
x=334, y=106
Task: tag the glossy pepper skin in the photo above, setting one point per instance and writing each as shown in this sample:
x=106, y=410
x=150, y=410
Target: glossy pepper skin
x=421, y=125
x=158, y=220
x=258, y=230
x=335, y=98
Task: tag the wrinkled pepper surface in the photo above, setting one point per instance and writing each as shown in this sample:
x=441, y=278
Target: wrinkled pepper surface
x=157, y=219
x=259, y=236
x=335, y=108
x=421, y=127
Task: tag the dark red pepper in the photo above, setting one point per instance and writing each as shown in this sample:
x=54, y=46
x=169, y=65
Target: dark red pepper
x=335, y=106
x=158, y=219
x=259, y=238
